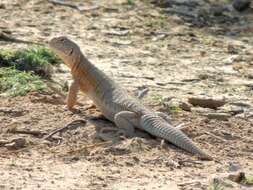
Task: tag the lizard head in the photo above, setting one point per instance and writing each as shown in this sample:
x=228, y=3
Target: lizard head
x=66, y=49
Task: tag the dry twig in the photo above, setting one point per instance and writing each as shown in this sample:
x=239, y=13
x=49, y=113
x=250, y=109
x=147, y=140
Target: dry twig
x=79, y=8
x=7, y=38
x=34, y=133
x=70, y=126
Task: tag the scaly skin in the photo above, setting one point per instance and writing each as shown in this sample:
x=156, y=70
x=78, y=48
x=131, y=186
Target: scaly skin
x=114, y=102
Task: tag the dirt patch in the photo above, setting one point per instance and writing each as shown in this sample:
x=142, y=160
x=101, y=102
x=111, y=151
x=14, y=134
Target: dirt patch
x=139, y=47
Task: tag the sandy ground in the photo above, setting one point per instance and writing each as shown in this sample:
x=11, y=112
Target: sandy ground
x=140, y=47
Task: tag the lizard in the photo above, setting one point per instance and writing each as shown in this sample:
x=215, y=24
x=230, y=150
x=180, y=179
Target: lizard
x=125, y=111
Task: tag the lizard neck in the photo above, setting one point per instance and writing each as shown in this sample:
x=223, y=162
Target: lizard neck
x=83, y=72
x=81, y=66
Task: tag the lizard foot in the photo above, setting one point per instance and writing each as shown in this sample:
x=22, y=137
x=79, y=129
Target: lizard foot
x=126, y=121
x=73, y=110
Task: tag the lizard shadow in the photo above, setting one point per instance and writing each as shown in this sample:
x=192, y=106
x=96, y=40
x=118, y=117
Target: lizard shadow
x=102, y=125
x=108, y=131
x=105, y=129
x=140, y=137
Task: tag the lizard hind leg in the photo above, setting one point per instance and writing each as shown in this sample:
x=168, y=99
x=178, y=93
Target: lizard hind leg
x=126, y=121
x=166, y=117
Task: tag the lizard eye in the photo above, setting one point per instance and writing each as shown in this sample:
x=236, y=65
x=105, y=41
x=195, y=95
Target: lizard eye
x=62, y=39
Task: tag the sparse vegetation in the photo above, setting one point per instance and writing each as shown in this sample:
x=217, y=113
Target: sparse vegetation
x=36, y=59
x=157, y=22
x=174, y=109
x=171, y=108
x=21, y=70
x=130, y=2
x=248, y=180
x=216, y=185
x=158, y=98
x=17, y=83
x=13, y=163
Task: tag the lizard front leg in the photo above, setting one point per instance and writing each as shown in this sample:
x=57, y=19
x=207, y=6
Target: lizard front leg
x=126, y=120
x=72, y=94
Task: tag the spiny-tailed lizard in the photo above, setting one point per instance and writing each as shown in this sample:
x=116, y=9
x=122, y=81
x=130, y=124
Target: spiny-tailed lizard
x=114, y=102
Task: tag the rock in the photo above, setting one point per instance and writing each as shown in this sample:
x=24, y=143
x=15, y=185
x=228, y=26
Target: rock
x=230, y=180
x=16, y=144
x=249, y=75
x=231, y=59
x=117, y=32
x=3, y=142
x=232, y=109
x=185, y=106
x=232, y=49
x=238, y=178
x=241, y=5
x=217, y=10
x=181, y=12
x=171, y=3
x=207, y=102
x=219, y=116
x=236, y=110
x=234, y=167
x=174, y=104
x=242, y=104
x=2, y=6
x=219, y=182
x=201, y=110
x=203, y=76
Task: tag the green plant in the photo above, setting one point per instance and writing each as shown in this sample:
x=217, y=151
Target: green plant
x=216, y=186
x=157, y=98
x=248, y=180
x=13, y=163
x=130, y=2
x=18, y=83
x=174, y=109
x=157, y=22
x=36, y=59
x=170, y=107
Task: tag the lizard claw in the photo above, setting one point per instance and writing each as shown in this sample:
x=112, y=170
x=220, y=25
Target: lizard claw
x=73, y=110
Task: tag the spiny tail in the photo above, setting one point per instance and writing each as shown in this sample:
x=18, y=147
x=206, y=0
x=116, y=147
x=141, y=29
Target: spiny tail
x=156, y=126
